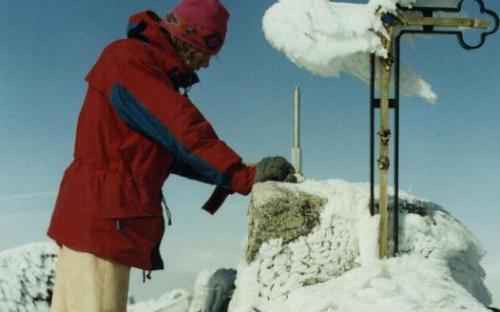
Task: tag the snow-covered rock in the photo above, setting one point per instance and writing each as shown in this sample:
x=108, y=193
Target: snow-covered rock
x=328, y=265
x=200, y=292
x=328, y=38
x=335, y=268
x=27, y=276
x=278, y=213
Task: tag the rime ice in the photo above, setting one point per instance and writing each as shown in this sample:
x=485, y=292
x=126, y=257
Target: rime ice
x=328, y=38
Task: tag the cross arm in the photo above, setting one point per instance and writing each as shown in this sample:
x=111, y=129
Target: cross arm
x=456, y=22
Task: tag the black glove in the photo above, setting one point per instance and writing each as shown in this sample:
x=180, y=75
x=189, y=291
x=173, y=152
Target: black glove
x=275, y=168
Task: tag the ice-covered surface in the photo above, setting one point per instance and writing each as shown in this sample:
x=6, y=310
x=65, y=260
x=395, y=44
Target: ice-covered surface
x=174, y=301
x=439, y=270
x=200, y=292
x=328, y=38
x=27, y=277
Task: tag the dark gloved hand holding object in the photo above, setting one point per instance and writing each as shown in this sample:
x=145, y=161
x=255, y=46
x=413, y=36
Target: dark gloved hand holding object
x=275, y=168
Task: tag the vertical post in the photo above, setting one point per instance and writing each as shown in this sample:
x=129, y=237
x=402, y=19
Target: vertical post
x=395, y=211
x=384, y=135
x=427, y=22
x=372, y=136
x=296, y=151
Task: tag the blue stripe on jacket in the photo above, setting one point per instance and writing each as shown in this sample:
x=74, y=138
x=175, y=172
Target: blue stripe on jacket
x=135, y=114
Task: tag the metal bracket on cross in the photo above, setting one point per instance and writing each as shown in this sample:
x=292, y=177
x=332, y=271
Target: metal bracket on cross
x=415, y=20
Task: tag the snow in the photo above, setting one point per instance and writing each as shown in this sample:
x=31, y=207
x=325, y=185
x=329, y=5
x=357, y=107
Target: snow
x=328, y=38
x=175, y=301
x=27, y=277
x=408, y=283
x=438, y=270
x=335, y=268
x=200, y=291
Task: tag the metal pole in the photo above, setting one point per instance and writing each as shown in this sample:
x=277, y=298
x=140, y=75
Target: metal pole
x=372, y=136
x=395, y=211
x=296, y=150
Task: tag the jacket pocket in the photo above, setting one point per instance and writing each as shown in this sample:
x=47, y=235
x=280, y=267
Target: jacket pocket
x=121, y=197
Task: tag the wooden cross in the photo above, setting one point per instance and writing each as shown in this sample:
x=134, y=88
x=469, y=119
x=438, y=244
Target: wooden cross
x=405, y=21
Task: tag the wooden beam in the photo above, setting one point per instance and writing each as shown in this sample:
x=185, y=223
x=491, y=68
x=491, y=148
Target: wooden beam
x=385, y=67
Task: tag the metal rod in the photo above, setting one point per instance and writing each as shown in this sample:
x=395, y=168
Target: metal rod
x=296, y=150
x=372, y=134
x=395, y=209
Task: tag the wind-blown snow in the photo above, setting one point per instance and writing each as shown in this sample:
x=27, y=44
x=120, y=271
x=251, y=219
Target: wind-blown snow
x=438, y=271
x=328, y=38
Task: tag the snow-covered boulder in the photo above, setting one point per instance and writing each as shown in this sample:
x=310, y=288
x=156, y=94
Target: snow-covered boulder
x=334, y=266
x=27, y=276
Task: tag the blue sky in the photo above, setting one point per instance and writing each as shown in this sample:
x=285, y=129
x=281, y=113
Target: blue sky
x=449, y=151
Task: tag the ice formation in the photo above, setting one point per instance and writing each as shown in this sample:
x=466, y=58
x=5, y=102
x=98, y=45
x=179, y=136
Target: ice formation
x=332, y=268
x=335, y=268
x=328, y=38
x=27, y=276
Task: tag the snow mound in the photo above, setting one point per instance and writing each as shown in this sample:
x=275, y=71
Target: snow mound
x=27, y=276
x=201, y=292
x=328, y=38
x=177, y=300
x=335, y=268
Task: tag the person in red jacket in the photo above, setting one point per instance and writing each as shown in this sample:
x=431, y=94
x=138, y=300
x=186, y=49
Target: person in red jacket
x=136, y=127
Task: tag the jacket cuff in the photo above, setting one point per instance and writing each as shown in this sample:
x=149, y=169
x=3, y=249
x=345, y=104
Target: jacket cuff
x=216, y=200
x=242, y=178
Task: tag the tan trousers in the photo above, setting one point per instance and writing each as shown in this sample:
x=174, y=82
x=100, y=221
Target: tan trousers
x=86, y=283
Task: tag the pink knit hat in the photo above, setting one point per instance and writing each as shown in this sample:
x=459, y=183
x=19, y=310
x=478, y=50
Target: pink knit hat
x=201, y=23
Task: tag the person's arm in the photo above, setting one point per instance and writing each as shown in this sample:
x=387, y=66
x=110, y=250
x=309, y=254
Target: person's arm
x=147, y=102
x=182, y=169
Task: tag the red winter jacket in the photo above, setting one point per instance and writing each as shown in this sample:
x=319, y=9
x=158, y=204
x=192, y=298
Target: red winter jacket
x=134, y=129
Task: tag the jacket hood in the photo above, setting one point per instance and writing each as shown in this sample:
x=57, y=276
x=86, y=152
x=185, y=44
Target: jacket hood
x=145, y=26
